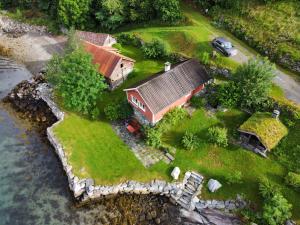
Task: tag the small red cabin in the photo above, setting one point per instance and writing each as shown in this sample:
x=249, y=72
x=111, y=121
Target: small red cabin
x=151, y=99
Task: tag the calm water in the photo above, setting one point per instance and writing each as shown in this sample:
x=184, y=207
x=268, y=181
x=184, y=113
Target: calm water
x=33, y=188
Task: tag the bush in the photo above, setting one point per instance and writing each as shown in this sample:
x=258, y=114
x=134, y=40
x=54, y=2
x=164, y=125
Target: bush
x=197, y=102
x=276, y=210
x=268, y=189
x=153, y=137
x=189, y=141
x=118, y=111
x=172, y=118
x=129, y=39
x=154, y=49
x=205, y=58
x=218, y=136
x=234, y=178
x=293, y=179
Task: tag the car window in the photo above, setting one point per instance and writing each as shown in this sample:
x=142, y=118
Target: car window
x=219, y=42
x=228, y=45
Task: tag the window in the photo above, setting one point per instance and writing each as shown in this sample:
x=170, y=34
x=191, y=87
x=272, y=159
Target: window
x=142, y=106
x=134, y=100
x=138, y=103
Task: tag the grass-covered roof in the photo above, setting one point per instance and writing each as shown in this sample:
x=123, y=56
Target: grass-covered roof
x=268, y=129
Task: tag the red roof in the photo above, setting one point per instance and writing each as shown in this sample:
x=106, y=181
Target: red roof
x=106, y=57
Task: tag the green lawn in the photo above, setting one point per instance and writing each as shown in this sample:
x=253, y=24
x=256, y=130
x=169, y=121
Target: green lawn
x=95, y=151
x=190, y=40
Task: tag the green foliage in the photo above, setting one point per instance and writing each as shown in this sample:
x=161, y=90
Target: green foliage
x=73, y=12
x=218, y=136
x=228, y=95
x=129, y=39
x=154, y=49
x=234, y=178
x=293, y=179
x=153, y=137
x=76, y=80
x=205, y=58
x=189, y=141
x=253, y=81
x=168, y=11
x=118, y=111
x=276, y=210
x=197, y=102
x=268, y=189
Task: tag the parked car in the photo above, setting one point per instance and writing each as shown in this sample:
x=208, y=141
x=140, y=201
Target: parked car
x=224, y=46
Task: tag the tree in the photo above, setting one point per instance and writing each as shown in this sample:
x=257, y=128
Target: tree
x=73, y=12
x=168, y=11
x=253, y=81
x=218, y=136
x=153, y=137
x=154, y=49
x=111, y=13
x=77, y=81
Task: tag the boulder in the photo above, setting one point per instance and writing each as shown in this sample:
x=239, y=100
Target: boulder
x=175, y=173
x=214, y=185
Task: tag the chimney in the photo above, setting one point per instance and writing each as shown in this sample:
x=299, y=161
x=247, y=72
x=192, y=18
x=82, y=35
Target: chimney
x=276, y=114
x=167, y=66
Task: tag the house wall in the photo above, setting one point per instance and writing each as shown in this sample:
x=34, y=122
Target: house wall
x=110, y=41
x=147, y=113
x=120, y=73
x=154, y=118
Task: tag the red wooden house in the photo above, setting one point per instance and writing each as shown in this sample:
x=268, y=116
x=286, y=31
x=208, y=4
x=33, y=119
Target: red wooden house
x=152, y=98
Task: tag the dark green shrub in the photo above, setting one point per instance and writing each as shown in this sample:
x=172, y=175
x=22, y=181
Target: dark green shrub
x=129, y=39
x=154, y=49
x=197, y=102
x=218, y=135
x=189, y=141
x=268, y=189
x=118, y=111
x=293, y=179
x=234, y=178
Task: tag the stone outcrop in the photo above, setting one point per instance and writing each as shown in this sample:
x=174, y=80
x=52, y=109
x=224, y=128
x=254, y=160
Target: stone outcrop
x=16, y=29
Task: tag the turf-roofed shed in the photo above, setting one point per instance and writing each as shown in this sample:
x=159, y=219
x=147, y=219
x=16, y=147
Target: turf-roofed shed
x=262, y=131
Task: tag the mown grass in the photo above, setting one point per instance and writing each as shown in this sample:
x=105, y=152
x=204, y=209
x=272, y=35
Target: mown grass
x=94, y=150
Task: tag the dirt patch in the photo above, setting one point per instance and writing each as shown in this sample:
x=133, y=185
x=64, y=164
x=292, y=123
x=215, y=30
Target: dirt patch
x=4, y=51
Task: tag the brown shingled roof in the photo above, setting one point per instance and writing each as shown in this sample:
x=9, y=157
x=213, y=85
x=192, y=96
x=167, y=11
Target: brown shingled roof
x=165, y=88
x=106, y=58
x=95, y=38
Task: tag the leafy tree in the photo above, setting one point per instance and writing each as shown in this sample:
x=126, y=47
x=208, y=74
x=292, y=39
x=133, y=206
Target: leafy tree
x=77, y=81
x=111, y=13
x=168, y=11
x=276, y=210
x=253, y=81
x=73, y=12
x=154, y=49
x=189, y=141
x=218, y=136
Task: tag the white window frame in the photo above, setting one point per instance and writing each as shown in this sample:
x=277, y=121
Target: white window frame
x=134, y=100
x=137, y=103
